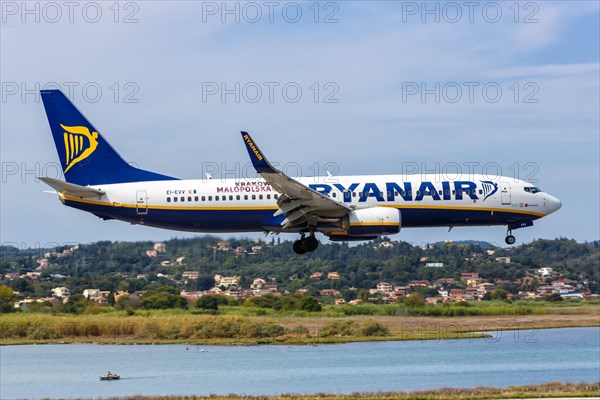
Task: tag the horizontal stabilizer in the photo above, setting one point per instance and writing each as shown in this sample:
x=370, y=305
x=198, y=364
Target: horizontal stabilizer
x=71, y=188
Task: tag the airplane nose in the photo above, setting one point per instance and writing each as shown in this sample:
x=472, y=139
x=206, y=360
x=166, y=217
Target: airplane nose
x=553, y=204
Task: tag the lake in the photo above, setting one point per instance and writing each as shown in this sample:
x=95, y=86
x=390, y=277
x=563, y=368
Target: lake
x=508, y=358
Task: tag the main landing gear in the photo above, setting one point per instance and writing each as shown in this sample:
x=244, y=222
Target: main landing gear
x=306, y=244
x=510, y=239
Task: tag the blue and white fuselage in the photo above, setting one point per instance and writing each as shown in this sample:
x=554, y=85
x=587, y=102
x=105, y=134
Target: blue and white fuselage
x=341, y=207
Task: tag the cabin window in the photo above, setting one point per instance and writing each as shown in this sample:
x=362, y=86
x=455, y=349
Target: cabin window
x=418, y=192
x=333, y=194
x=190, y=198
x=268, y=197
x=182, y=198
x=480, y=191
x=237, y=197
x=230, y=197
x=245, y=197
x=353, y=194
x=209, y=198
x=175, y=199
x=360, y=194
x=275, y=196
x=260, y=196
x=168, y=199
x=195, y=198
x=454, y=192
x=440, y=192
x=447, y=192
x=253, y=197
x=203, y=198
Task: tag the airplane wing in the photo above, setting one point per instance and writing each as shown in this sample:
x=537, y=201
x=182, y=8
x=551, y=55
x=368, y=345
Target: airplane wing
x=299, y=203
x=71, y=188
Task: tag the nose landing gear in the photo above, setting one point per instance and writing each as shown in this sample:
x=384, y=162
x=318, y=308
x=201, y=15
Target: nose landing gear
x=306, y=244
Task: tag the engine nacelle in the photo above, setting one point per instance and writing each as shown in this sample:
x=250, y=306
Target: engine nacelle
x=373, y=221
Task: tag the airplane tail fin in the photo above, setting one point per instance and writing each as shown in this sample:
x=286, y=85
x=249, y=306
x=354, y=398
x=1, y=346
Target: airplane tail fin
x=85, y=156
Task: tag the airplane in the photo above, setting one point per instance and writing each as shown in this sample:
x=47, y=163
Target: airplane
x=343, y=208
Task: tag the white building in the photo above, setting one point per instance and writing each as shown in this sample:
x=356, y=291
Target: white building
x=545, y=271
x=61, y=292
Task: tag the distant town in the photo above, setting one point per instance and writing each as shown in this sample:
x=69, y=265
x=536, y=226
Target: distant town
x=384, y=272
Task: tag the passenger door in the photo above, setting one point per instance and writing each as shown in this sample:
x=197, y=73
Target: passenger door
x=505, y=193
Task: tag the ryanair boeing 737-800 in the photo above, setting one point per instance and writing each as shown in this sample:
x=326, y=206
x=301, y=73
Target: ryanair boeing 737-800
x=344, y=208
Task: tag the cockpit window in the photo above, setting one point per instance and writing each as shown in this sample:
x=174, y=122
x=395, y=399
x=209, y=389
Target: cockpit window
x=532, y=189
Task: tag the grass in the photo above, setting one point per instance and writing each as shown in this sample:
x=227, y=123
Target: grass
x=368, y=323
x=548, y=390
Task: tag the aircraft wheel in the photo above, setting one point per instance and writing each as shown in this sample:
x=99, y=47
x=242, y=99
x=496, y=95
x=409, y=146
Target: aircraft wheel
x=510, y=239
x=299, y=247
x=311, y=243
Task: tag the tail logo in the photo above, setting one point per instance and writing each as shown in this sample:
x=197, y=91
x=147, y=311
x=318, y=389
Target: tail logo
x=79, y=144
x=489, y=188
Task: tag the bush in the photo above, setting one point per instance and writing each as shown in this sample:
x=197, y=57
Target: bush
x=339, y=328
x=374, y=329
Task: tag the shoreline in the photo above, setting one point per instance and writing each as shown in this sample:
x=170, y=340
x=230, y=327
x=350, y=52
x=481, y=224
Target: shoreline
x=546, y=390
x=248, y=331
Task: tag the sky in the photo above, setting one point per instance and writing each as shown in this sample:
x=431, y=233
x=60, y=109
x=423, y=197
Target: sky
x=353, y=87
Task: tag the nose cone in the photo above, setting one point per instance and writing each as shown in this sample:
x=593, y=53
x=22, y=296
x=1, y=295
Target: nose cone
x=553, y=204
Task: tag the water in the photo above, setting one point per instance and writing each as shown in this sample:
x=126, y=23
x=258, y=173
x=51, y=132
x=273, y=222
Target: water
x=510, y=358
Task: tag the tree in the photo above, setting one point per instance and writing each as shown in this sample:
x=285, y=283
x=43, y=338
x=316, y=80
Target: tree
x=554, y=297
x=499, y=294
x=7, y=296
x=205, y=282
x=309, y=303
x=414, y=300
x=207, y=303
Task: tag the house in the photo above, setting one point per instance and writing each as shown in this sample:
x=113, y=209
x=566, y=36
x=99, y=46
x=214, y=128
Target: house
x=256, y=249
x=61, y=292
x=43, y=264
x=240, y=250
x=226, y=281
x=258, y=283
x=32, y=275
x=340, y=301
x=329, y=292
x=504, y=260
x=165, y=263
x=445, y=281
x=419, y=283
x=179, y=260
x=151, y=253
x=465, y=276
x=316, y=275
x=190, y=274
x=485, y=287
x=384, y=287
x=160, y=247
x=272, y=288
x=490, y=252
x=121, y=293
x=224, y=246
x=141, y=276
x=333, y=276
x=91, y=293
x=545, y=271
x=434, y=265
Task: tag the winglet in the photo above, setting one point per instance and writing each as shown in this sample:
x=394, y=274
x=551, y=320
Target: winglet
x=259, y=161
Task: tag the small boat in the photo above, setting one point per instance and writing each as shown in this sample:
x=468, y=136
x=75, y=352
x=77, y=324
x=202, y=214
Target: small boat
x=109, y=377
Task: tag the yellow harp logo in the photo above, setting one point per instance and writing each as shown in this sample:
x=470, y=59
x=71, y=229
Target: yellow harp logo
x=79, y=144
